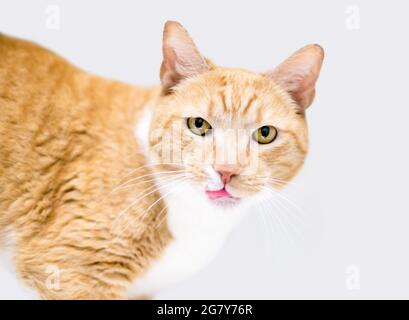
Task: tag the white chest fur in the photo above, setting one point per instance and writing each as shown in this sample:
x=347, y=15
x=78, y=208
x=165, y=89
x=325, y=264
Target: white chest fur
x=199, y=230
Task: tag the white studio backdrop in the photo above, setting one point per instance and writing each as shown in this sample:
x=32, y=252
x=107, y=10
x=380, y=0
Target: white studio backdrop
x=344, y=231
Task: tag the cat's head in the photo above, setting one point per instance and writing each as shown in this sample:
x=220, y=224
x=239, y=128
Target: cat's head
x=230, y=133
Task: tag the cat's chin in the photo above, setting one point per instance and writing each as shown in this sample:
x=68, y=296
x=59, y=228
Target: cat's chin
x=222, y=197
x=226, y=202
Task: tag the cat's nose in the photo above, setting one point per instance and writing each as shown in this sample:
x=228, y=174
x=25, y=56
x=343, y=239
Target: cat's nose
x=226, y=171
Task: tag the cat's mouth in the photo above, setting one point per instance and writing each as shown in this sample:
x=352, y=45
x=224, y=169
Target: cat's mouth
x=221, y=196
x=222, y=193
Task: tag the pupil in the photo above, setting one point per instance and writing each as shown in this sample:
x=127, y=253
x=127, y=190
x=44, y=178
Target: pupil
x=199, y=122
x=265, y=131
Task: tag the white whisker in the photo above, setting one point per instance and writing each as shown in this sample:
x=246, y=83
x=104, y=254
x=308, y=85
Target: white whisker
x=144, y=176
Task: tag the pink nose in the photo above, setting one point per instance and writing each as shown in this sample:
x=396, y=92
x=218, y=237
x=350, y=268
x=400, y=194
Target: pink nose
x=226, y=172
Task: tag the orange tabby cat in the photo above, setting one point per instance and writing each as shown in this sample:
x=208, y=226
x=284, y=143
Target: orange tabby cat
x=111, y=191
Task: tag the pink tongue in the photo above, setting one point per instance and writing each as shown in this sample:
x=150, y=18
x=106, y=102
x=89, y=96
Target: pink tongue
x=218, y=194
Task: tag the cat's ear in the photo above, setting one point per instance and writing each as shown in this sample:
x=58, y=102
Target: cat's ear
x=299, y=73
x=181, y=58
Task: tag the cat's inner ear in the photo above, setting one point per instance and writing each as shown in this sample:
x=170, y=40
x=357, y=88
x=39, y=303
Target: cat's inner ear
x=181, y=58
x=299, y=73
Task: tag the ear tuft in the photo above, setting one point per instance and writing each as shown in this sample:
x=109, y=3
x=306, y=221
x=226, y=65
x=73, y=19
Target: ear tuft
x=181, y=58
x=299, y=73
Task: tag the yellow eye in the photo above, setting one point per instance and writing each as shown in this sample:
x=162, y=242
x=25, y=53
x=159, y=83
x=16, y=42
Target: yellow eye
x=198, y=126
x=265, y=134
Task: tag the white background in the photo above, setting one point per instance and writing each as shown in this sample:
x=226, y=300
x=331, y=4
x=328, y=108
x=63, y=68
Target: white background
x=346, y=233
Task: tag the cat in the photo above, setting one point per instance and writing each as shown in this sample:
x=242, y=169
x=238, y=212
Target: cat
x=114, y=191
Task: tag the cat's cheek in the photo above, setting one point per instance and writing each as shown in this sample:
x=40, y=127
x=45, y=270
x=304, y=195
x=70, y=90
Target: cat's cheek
x=238, y=192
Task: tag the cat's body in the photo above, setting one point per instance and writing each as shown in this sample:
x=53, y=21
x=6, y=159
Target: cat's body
x=66, y=140
x=86, y=207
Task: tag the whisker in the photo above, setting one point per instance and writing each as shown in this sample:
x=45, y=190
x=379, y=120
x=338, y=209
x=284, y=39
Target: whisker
x=159, y=217
x=152, y=165
x=284, y=212
x=155, y=188
x=268, y=228
x=275, y=214
x=164, y=216
x=146, y=175
x=158, y=179
x=163, y=196
x=175, y=181
x=298, y=210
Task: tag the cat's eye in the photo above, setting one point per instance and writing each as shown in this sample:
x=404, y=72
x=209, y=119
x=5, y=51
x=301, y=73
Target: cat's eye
x=198, y=126
x=265, y=134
